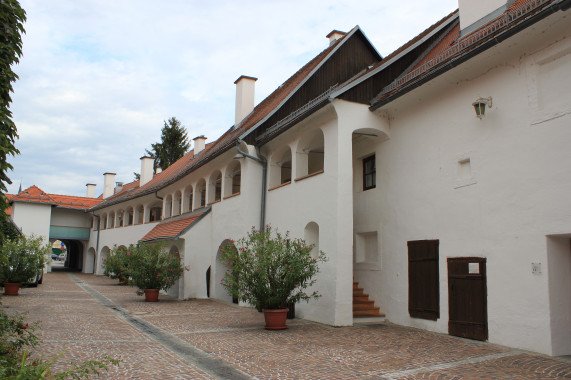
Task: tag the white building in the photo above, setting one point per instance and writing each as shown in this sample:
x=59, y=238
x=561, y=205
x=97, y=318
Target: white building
x=450, y=222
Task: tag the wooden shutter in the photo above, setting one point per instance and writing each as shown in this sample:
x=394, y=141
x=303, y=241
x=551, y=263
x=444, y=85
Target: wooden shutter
x=423, y=280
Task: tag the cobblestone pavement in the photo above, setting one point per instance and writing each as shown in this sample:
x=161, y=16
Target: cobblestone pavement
x=88, y=317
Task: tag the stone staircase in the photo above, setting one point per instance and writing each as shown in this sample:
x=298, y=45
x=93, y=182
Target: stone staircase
x=363, y=307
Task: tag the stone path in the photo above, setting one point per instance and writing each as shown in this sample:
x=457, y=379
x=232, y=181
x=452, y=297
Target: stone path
x=88, y=317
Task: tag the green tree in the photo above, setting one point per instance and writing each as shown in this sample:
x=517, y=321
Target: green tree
x=12, y=18
x=174, y=144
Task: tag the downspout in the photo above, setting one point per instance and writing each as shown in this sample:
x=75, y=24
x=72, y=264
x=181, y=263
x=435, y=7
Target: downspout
x=97, y=241
x=264, y=162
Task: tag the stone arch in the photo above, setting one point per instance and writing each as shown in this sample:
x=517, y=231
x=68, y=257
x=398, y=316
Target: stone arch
x=89, y=263
x=215, y=187
x=233, y=179
x=281, y=167
x=220, y=270
x=310, y=153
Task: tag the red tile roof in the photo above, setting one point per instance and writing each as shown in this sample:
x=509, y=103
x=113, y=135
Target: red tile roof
x=520, y=11
x=188, y=163
x=36, y=195
x=170, y=229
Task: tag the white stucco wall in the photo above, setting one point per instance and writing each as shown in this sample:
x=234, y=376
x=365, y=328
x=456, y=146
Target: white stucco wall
x=33, y=218
x=518, y=191
x=70, y=218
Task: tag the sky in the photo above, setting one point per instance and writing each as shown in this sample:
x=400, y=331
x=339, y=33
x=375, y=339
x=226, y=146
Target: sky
x=98, y=78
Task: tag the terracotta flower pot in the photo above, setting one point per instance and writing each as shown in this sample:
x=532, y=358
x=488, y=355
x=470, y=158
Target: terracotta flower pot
x=275, y=319
x=151, y=295
x=11, y=288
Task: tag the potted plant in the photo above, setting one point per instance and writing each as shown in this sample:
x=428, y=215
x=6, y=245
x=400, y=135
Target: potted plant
x=271, y=271
x=116, y=265
x=21, y=260
x=152, y=268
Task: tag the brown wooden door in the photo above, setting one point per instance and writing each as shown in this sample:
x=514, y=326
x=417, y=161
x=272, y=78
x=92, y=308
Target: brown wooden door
x=467, y=298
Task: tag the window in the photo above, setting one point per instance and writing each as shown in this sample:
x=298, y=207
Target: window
x=423, y=282
x=369, y=173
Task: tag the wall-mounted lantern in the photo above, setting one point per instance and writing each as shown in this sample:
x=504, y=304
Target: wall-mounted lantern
x=480, y=106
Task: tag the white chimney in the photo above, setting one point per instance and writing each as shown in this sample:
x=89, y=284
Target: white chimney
x=118, y=187
x=474, y=14
x=90, y=190
x=199, y=144
x=108, y=184
x=334, y=35
x=245, y=87
x=146, y=170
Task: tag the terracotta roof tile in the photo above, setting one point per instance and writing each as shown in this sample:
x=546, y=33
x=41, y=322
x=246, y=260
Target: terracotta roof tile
x=518, y=12
x=188, y=163
x=36, y=195
x=171, y=228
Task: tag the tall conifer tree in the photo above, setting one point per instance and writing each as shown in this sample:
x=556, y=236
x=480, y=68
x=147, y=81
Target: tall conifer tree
x=174, y=144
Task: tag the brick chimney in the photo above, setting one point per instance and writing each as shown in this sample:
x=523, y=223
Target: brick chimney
x=245, y=88
x=108, y=184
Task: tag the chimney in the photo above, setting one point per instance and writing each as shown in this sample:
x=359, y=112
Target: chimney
x=90, y=190
x=146, y=170
x=334, y=35
x=474, y=14
x=244, y=97
x=109, y=181
x=118, y=187
x=199, y=144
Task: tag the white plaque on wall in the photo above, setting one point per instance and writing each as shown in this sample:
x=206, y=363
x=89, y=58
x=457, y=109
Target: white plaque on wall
x=474, y=268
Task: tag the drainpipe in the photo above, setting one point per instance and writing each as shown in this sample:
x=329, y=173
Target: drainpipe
x=97, y=241
x=264, y=162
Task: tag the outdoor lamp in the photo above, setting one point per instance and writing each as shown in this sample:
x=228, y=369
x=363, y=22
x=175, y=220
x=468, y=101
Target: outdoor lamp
x=480, y=106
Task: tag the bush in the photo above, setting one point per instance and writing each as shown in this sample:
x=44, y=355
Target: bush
x=152, y=267
x=117, y=264
x=21, y=259
x=270, y=271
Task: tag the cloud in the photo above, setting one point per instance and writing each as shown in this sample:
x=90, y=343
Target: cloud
x=98, y=79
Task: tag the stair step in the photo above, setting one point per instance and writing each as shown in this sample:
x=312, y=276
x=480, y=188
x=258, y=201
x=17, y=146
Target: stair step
x=367, y=313
x=357, y=307
x=364, y=302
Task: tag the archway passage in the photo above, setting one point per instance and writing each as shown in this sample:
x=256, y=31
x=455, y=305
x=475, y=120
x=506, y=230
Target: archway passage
x=73, y=257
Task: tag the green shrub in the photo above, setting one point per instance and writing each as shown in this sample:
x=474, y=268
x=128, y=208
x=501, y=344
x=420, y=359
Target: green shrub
x=270, y=271
x=152, y=267
x=21, y=259
x=116, y=264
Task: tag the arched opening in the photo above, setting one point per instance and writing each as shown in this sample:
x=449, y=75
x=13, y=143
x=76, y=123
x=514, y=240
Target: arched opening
x=89, y=263
x=140, y=214
x=200, y=200
x=311, y=237
x=280, y=170
x=233, y=179
x=188, y=195
x=102, y=256
x=155, y=212
x=177, y=203
x=177, y=289
x=130, y=214
x=220, y=270
x=111, y=223
x=103, y=222
x=168, y=206
x=215, y=187
x=120, y=218
x=310, y=154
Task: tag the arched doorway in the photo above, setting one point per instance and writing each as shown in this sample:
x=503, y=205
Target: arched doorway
x=216, y=289
x=70, y=254
x=102, y=256
x=90, y=261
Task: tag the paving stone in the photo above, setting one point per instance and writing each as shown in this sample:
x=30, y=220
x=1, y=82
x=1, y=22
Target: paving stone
x=89, y=317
